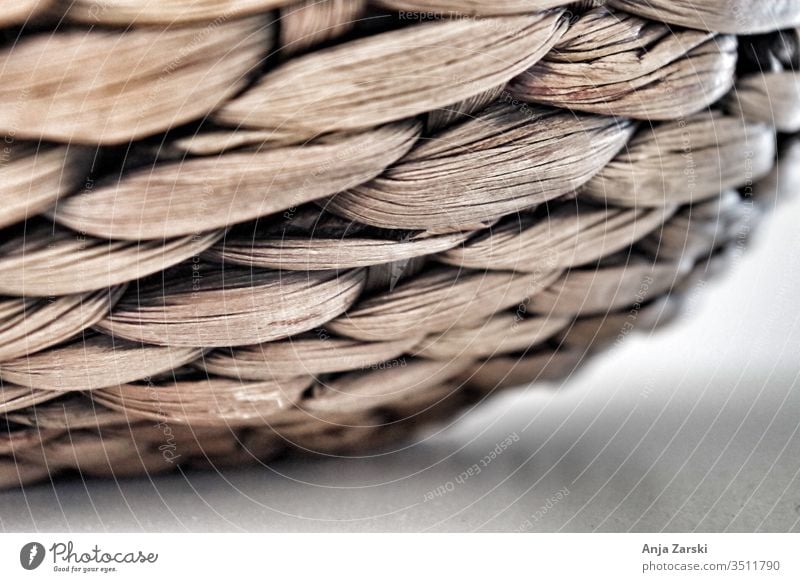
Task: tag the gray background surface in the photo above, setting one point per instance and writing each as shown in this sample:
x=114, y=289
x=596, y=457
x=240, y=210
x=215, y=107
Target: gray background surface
x=693, y=428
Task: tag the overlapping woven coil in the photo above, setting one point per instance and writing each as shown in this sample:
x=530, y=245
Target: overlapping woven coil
x=237, y=228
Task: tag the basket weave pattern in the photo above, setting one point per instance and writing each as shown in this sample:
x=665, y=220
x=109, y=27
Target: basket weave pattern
x=232, y=229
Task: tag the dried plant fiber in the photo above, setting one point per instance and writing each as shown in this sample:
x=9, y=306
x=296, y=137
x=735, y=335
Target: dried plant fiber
x=261, y=227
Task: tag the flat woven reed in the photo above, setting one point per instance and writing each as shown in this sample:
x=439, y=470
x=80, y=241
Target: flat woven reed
x=233, y=229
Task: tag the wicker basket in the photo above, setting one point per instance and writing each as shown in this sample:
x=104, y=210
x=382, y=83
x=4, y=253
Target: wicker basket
x=233, y=229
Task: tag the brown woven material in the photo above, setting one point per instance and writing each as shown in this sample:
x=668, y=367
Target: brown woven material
x=236, y=229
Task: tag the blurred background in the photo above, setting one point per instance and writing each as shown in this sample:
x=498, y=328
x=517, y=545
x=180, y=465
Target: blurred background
x=694, y=428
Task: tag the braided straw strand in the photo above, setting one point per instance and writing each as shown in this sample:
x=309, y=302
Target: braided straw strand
x=116, y=86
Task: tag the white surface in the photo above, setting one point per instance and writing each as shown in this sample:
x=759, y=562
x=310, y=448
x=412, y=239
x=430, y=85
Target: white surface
x=694, y=428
